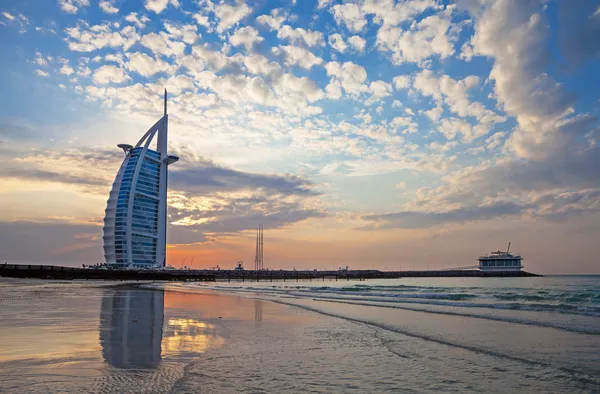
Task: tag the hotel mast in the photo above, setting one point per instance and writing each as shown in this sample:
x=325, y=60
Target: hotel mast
x=135, y=224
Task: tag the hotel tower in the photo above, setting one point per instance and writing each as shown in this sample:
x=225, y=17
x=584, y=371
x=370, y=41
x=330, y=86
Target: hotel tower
x=135, y=224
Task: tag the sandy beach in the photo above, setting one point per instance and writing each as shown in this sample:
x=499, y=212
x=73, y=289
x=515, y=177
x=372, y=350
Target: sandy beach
x=101, y=337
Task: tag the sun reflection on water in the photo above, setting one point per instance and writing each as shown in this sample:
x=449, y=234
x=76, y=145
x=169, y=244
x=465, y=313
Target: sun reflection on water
x=189, y=336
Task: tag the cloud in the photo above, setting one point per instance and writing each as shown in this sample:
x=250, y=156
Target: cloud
x=349, y=76
x=358, y=43
x=108, y=6
x=455, y=94
x=145, y=65
x=41, y=73
x=246, y=37
x=72, y=6
x=186, y=33
x=158, y=6
x=301, y=36
x=274, y=20
x=415, y=219
x=139, y=21
x=161, y=44
x=17, y=132
x=19, y=20
x=210, y=198
x=387, y=13
x=56, y=242
x=297, y=56
x=231, y=15
x=337, y=42
x=350, y=14
x=8, y=16
x=378, y=90
x=42, y=175
x=401, y=82
x=86, y=38
x=203, y=177
x=110, y=74
x=429, y=37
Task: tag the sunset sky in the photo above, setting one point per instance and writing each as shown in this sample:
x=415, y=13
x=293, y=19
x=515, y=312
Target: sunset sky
x=371, y=133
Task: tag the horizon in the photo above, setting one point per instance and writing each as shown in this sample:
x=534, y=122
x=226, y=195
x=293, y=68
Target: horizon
x=383, y=135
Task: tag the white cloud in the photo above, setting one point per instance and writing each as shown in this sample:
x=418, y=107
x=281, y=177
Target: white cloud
x=378, y=90
x=231, y=15
x=246, y=37
x=337, y=42
x=387, y=13
x=323, y=3
x=202, y=20
x=146, y=65
x=431, y=36
x=274, y=20
x=66, y=69
x=260, y=65
x=108, y=6
x=186, y=33
x=455, y=94
x=140, y=22
x=297, y=56
x=41, y=73
x=86, y=38
x=215, y=61
x=299, y=35
x=405, y=123
x=160, y=44
x=453, y=127
x=350, y=14
x=39, y=59
x=350, y=77
x=108, y=73
x=434, y=113
x=72, y=6
x=401, y=82
x=158, y=6
x=358, y=43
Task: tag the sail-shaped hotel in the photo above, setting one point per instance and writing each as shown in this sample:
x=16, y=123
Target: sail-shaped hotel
x=135, y=224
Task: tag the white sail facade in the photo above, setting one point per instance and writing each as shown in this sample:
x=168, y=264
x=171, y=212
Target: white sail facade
x=135, y=222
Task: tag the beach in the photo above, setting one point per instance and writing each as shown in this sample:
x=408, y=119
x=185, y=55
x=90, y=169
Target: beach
x=406, y=335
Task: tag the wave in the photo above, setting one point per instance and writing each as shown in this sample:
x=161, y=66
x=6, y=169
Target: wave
x=575, y=374
x=441, y=299
x=569, y=328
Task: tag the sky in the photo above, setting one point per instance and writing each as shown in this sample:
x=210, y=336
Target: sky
x=378, y=134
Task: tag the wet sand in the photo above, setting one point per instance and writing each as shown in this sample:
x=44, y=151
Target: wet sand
x=97, y=337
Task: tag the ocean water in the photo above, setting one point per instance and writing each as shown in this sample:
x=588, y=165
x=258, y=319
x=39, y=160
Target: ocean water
x=407, y=335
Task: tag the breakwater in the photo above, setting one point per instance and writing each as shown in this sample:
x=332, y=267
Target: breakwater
x=70, y=273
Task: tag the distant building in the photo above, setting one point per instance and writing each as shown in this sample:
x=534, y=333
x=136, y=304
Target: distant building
x=135, y=224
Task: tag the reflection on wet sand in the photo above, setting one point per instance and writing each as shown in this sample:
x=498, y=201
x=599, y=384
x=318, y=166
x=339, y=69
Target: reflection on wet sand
x=140, y=327
x=258, y=313
x=131, y=323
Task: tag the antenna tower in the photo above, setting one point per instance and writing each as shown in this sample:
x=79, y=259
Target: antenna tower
x=259, y=256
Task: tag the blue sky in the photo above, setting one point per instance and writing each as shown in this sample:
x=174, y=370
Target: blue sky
x=457, y=124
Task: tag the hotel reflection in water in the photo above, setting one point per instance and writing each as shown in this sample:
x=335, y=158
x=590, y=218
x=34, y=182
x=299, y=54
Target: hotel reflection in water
x=131, y=324
x=139, y=327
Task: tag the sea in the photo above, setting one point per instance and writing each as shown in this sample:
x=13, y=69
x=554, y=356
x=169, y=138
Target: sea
x=410, y=335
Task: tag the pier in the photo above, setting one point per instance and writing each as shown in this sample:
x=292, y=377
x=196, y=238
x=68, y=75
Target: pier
x=71, y=273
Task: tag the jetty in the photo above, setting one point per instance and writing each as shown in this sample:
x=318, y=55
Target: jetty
x=76, y=273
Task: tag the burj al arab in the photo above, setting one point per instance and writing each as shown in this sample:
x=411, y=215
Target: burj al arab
x=135, y=223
